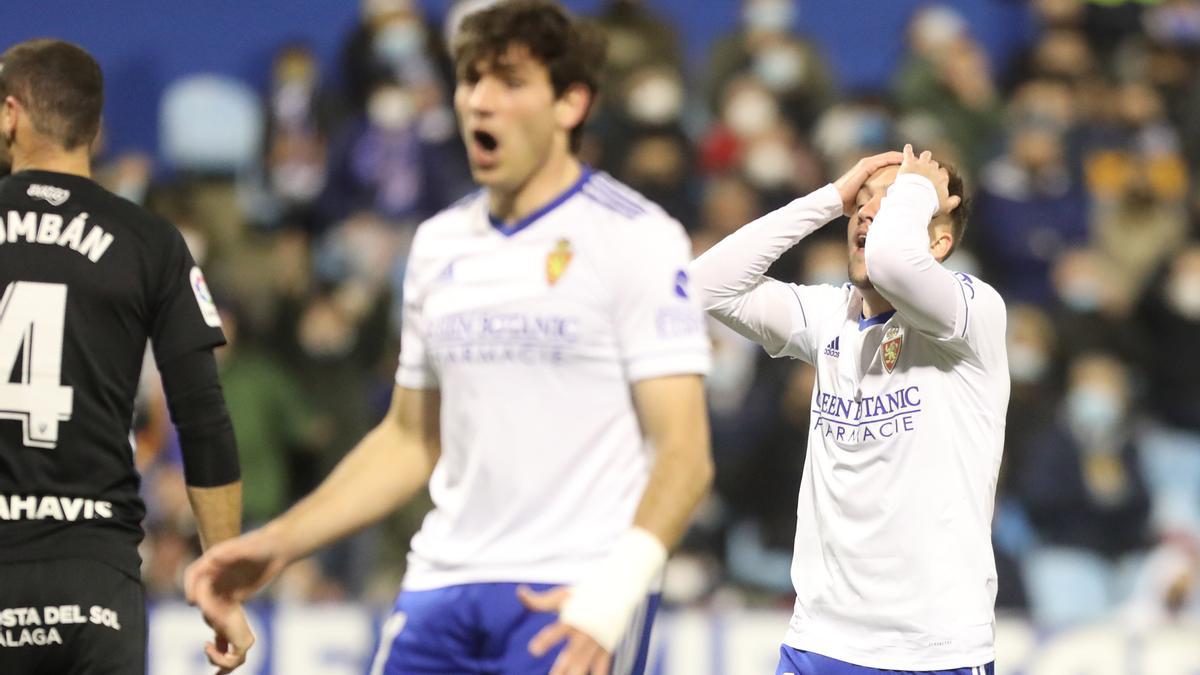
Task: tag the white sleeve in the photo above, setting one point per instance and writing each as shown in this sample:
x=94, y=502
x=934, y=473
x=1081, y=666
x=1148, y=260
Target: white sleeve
x=936, y=301
x=659, y=324
x=415, y=370
x=782, y=317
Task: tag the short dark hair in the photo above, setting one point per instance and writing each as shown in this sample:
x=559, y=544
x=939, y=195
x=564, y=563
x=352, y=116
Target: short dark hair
x=958, y=217
x=573, y=50
x=60, y=85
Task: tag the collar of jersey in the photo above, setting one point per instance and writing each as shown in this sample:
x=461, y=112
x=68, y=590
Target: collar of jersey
x=882, y=317
x=510, y=230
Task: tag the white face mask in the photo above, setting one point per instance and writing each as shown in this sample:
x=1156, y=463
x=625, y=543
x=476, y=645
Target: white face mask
x=1082, y=294
x=769, y=165
x=656, y=100
x=398, y=41
x=1183, y=293
x=391, y=108
x=769, y=15
x=1093, y=412
x=781, y=68
x=751, y=112
x=1026, y=364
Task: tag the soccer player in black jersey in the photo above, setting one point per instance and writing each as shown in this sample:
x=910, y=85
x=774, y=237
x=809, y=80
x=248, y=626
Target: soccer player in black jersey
x=87, y=278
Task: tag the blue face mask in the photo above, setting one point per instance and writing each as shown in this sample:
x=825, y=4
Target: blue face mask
x=1093, y=412
x=398, y=42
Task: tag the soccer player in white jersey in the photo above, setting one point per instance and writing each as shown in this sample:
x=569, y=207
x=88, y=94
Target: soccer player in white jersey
x=549, y=390
x=893, y=565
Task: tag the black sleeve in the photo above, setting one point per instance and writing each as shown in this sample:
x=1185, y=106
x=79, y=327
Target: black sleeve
x=184, y=317
x=197, y=406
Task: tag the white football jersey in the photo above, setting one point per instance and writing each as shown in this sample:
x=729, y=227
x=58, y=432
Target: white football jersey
x=893, y=564
x=535, y=334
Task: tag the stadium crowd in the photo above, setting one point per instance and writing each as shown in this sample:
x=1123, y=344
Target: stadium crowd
x=1081, y=155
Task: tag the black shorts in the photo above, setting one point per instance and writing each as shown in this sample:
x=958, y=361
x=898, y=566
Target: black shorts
x=71, y=617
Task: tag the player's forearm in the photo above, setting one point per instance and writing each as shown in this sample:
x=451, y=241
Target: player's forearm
x=683, y=468
x=900, y=264
x=737, y=263
x=681, y=477
x=218, y=512
x=382, y=472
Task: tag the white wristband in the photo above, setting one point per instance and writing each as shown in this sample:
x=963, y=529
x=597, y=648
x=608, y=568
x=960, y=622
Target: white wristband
x=602, y=605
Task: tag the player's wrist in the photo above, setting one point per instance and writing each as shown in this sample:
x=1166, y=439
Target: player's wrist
x=603, y=604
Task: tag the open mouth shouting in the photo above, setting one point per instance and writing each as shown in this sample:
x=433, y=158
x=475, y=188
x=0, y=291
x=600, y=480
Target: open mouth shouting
x=483, y=148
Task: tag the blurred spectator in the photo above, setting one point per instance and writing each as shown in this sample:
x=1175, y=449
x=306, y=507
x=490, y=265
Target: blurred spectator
x=1170, y=316
x=1028, y=209
x=854, y=129
x=1035, y=385
x=642, y=141
x=1093, y=307
x=947, y=75
x=766, y=46
x=301, y=115
x=270, y=418
x=637, y=38
x=1083, y=489
x=394, y=43
x=1139, y=212
x=759, y=476
x=398, y=160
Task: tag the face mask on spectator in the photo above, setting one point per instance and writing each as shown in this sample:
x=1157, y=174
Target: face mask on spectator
x=780, y=67
x=1081, y=294
x=1093, y=412
x=751, y=112
x=769, y=15
x=656, y=100
x=1026, y=364
x=398, y=41
x=769, y=165
x=391, y=108
x=1183, y=293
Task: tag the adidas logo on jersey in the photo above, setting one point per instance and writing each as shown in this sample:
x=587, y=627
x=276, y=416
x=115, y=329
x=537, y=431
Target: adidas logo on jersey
x=832, y=348
x=56, y=196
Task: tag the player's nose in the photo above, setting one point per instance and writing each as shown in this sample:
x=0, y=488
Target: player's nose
x=481, y=98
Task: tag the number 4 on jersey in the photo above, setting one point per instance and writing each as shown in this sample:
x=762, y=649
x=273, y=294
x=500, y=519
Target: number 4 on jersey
x=32, y=316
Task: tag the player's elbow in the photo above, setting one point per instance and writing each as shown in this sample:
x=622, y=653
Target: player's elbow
x=705, y=279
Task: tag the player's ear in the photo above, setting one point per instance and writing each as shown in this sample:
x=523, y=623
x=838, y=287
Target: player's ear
x=572, y=107
x=941, y=240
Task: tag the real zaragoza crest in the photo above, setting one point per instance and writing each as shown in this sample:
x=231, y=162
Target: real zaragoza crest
x=557, y=261
x=893, y=340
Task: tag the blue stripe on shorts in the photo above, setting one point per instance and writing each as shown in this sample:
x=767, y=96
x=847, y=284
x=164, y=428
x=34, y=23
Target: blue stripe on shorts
x=797, y=662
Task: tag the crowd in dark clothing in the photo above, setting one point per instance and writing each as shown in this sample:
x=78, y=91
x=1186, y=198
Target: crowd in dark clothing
x=1081, y=155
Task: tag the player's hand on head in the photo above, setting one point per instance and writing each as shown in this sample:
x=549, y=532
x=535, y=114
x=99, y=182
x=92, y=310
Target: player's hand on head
x=925, y=165
x=852, y=181
x=582, y=654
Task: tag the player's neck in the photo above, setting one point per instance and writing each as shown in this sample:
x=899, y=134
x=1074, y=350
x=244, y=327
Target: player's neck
x=873, y=303
x=48, y=157
x=550, y=180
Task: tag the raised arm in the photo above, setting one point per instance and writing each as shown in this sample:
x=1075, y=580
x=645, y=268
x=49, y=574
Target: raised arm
x=900, y=261
x=730, y=275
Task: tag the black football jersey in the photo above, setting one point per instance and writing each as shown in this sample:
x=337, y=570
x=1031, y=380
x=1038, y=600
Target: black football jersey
x=87, y=278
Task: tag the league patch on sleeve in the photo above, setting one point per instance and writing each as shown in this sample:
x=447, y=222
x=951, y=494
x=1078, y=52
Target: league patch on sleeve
x=204, y=298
